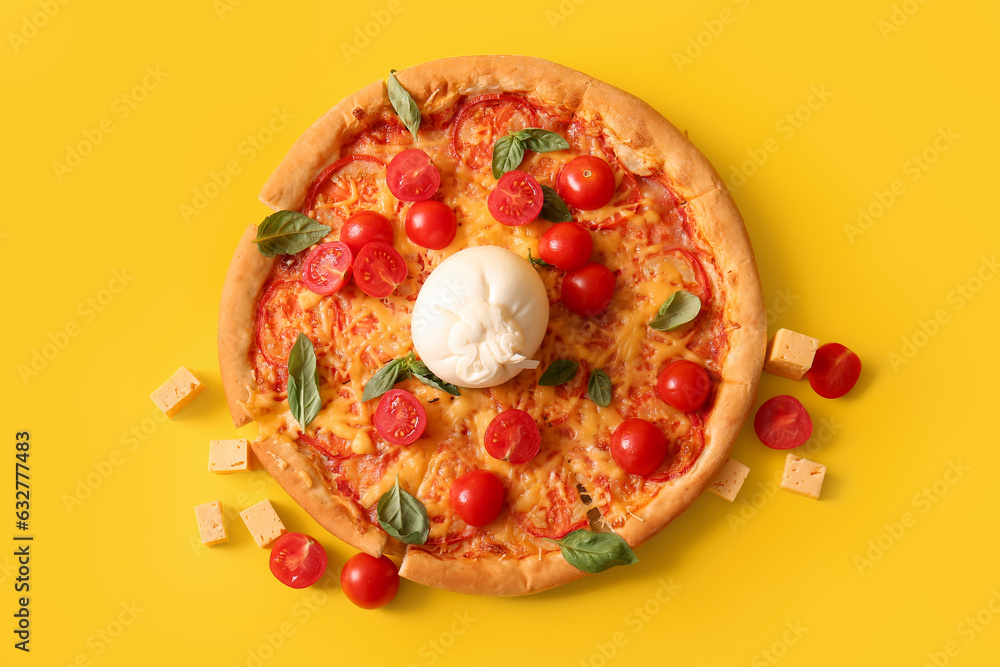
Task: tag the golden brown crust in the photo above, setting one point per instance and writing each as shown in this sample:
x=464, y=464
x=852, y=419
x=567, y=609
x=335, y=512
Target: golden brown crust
x=237, y=313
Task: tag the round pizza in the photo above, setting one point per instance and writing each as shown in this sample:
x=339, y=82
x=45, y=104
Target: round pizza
x=505, y=323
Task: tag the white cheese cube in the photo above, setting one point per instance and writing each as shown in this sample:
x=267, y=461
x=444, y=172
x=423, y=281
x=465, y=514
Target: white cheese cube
x=211, y=526
x=177, y=392
x=790, y=354
x=263, y=523
x=228, y=456
x=803, y=476
x=730, y=480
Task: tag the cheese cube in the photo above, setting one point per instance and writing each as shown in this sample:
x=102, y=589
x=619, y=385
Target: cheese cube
x=263, y=523
x=803, y=476
x=790, y=354
x=177, y=392
x=730, y=480
x=211, y=527
x=228, y=456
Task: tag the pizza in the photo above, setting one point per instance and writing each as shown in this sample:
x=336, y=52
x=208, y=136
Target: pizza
x=544, y=401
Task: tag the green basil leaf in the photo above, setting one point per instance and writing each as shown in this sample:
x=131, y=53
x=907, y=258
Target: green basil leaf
x=383, y=380
x=559, y=372
x=432, y=380
x=403, y=516
x=508, y=151
x=403, y=104
x=599, y=388
x=288, y=232
x=680, y=308
x=303, y=381
x=535, y=261
x=554, y=209
x=595, y=552
x=543, y=141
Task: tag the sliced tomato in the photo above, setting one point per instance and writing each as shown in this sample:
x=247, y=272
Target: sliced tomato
x=477, y=497
x=364, y=227
x=378, y=269
x=485, y=119
x=513, y=436
x=400, y=418
x=516, y=199
x=411, y=176
x=349, y=185
x=782, y=422
x=835, y=370
x=298, y=560
x=562, y=513
x=327, y=267
x=278, y=314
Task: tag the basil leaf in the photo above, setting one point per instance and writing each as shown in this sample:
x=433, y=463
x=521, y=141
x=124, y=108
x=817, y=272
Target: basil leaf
x=599, y=388
x=680, y=308
x=595, y=552
x=508, y=151
x=559, y=372
x=288, y=232
x=383, y=380
x=403, y=516
x=554, y=209
x=543, y=141
x=432, y=380
x=303, y=381
x=403, y=104
x=535, y=261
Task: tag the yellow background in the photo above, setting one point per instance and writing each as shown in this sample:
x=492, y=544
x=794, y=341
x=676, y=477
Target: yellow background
x=892, y=111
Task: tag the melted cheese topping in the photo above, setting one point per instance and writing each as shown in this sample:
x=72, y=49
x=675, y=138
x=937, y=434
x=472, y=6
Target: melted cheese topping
x=643, y=236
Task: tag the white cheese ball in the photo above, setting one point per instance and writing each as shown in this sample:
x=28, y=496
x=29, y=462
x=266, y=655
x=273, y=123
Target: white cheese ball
x=480, y=317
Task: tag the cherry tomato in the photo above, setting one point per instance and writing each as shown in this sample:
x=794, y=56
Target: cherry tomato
x=363, y=228
x=378, y=268
x=588, y=290
x=782, y=423
x=400, y=418
x=411, y=176
x=587, y=183
x=327, y=267
x=431, y=224
x=297, y=560
x=638, y=446
x=684, y=385
x=477, y=497
x=566, y=246
x=513, y=436
x=516, y=199
x=369, y=582
x=835, y=370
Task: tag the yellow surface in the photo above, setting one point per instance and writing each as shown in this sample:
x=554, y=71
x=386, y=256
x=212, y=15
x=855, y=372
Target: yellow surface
x=815, y=110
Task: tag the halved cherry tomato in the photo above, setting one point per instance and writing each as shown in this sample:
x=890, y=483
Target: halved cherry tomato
x=638, y=446
x=586, y=182
x=411, y=176
x=485, y=119
x=431, y=224
x=363, y=228
x=297, y=560
x=369, y=582
x=566, y=246
x=513, y=436
x=588, y=290
x=835, y=370
x=477, y=497
x=400, y=418
x=354, y=180
x=782, y=423
x=378, y=269
x=327, y=267
x=684, y=385
x=516, y=199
